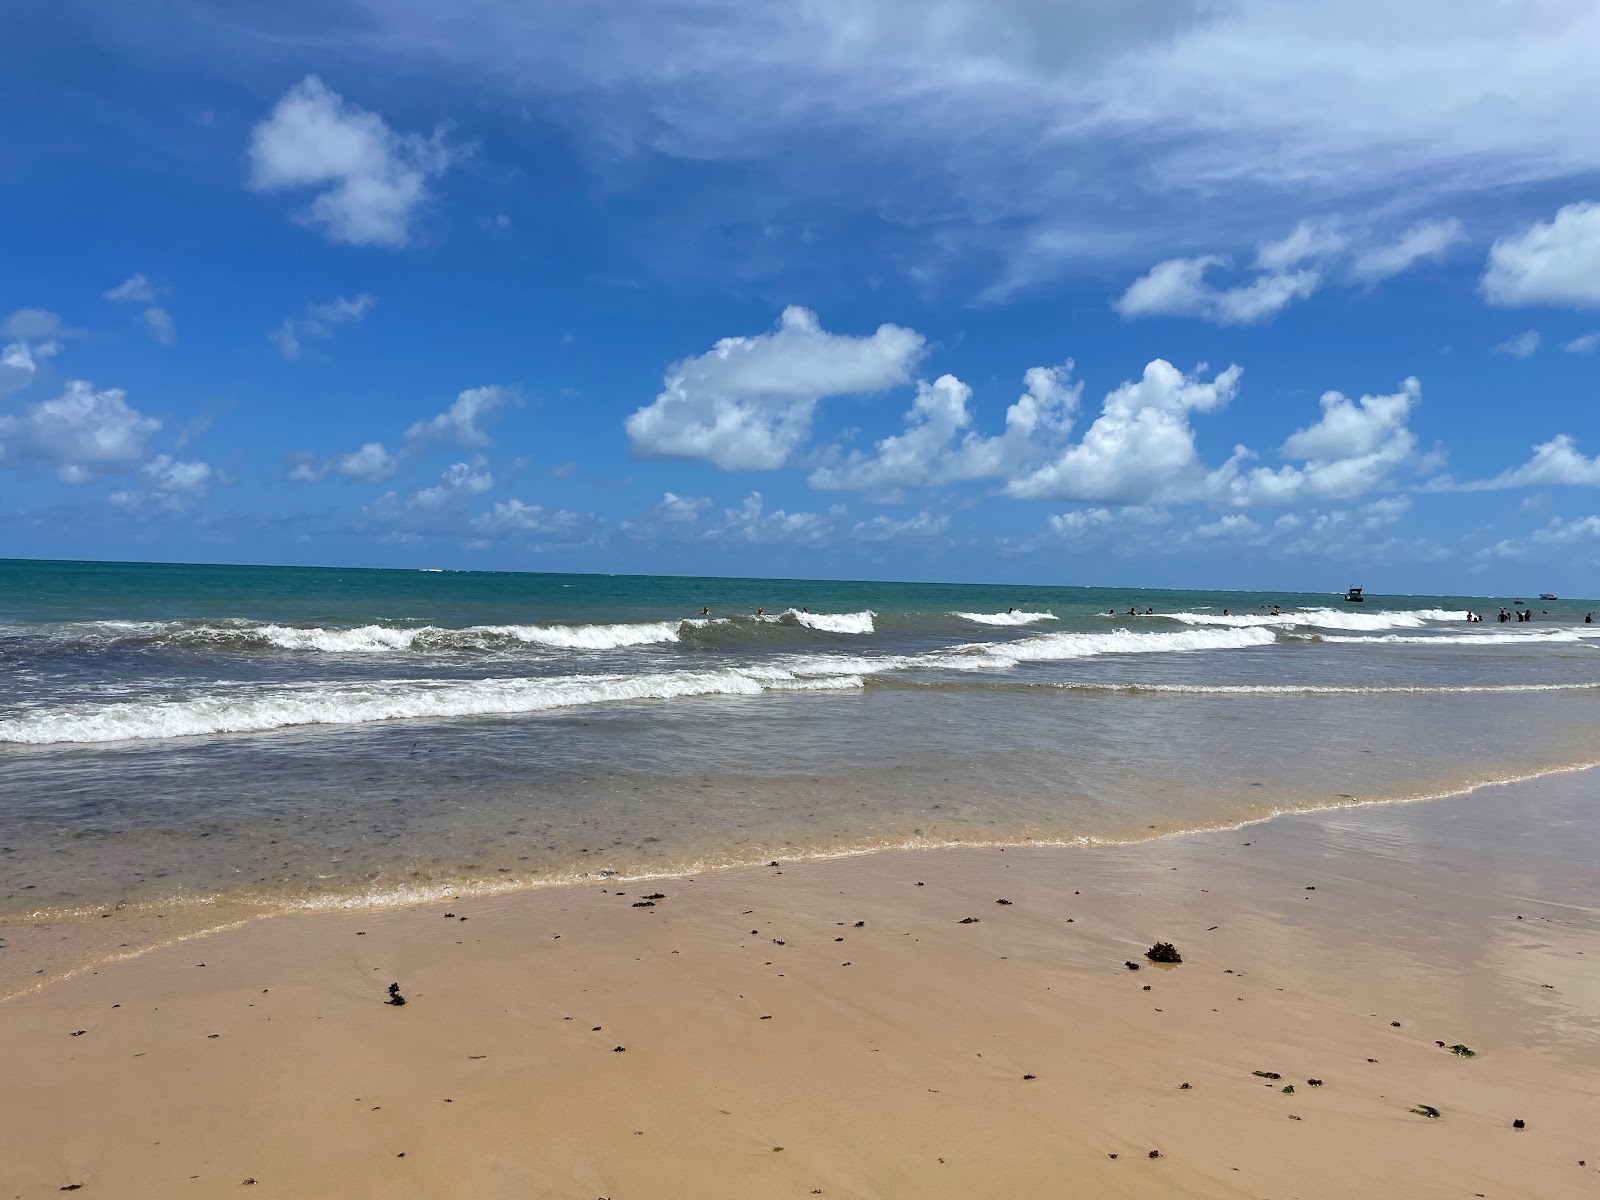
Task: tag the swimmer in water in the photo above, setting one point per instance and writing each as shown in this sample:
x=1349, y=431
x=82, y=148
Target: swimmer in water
x=705, y=612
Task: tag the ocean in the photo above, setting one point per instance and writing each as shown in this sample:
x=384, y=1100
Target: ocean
x=262, y=738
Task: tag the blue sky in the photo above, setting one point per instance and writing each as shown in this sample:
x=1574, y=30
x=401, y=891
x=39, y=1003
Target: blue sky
x=1160, y=292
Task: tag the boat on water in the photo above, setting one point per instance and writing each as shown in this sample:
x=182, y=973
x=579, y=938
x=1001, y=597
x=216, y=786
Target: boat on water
x=1354, y=596
x=1548, y=596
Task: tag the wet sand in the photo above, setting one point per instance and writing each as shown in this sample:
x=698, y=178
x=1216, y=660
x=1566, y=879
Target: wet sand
x=834, y=1028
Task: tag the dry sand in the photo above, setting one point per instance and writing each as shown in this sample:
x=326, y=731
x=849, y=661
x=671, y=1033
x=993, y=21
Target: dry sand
x=745, y=1037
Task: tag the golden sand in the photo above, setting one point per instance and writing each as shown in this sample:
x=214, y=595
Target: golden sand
x=838, y=1028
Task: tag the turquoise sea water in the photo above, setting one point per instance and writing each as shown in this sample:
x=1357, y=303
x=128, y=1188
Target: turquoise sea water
x=274, y=735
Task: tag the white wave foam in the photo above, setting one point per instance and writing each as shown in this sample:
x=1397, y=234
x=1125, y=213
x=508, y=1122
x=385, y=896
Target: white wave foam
x=1565, y=637
x=390, y=700
x=383, y=639
x=589, y=637
x=1323, y=618
x=856, y=622
x=1053, y=647
x=1014, y=617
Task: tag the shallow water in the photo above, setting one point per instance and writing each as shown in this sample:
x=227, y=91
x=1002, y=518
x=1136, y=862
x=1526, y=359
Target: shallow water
x=273, y=736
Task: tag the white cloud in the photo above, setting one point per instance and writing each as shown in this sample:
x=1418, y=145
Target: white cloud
x=444, y=510
x=751, y=524
x=1010, y=120
x=19, y=362
x=929, y=453
x=171, y=486
x=1355, y=448
x=1307, y=242
x=319, y=321
x=1233, y=526
x=674, y=516
x=1141, y=448
x=1584, y=344
x=1423, y=242
x=135, y=289
x=1178, y=288
x=922, y=526
x=1558, y=461
x=372, y=463
x=158, y=323
x=80, y=433
x=375, y=180
x=459, y=425
x=747, y=404
x=1550, y=262
x=1524, y=345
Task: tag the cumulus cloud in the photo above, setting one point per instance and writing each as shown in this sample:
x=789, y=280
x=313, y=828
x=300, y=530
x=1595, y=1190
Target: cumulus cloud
x=1178, y=288
x=19, y=362
x=1287, y=270
x=372, y=463
x=675, y=516
x=939, y=445
x=751, y=524
x=1424, y=242
x=372, y=180
x=1522, y=346
x=319, y=321
x=1550, y=262
x=921, y=527
x=460, y=424
x=1355, y=448
x=1558, y=462
x=1141, y=449
x=80, y=433
x=747, y=404
x=171, y=486
x=445, y=510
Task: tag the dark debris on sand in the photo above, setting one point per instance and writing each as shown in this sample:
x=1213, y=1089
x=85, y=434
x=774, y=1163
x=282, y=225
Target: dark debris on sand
x=1163, y=952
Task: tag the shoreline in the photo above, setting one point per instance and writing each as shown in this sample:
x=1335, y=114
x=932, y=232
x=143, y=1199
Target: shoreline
x=901, y=1075
x=18, y=929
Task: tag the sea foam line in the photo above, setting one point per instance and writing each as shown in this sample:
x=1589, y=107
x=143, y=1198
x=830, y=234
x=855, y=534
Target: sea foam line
x=1323, y=618
x=1012, y=617
x=359, y=704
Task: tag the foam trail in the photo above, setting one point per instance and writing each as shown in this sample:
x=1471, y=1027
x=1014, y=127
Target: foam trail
x=389, y=700
x=1322, y=618
x=1564, y=637
x=1014, y=617
x=371, y=639
x=1054, y=647
x=856, y=622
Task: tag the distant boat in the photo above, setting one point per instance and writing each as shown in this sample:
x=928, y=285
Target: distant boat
x=1548, y=596
x=1354, y=596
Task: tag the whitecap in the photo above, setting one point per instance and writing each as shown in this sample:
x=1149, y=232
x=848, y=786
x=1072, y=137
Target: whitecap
x=1014, y=617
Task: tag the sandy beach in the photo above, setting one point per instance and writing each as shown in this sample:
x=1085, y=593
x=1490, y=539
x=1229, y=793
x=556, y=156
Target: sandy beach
x=841, y=1028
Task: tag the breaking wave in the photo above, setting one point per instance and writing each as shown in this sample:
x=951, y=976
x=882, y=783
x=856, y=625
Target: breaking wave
x=856, y=622
x=1322, y=618
x=1014, y=617
x=1055, y=647
x=389, y=700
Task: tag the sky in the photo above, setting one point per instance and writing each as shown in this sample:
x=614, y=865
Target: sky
x=1211, y=293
